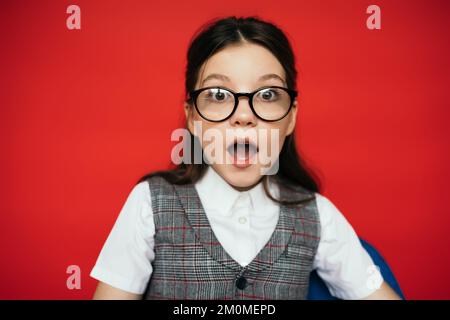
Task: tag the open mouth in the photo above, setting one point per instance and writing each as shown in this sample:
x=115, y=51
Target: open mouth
x=242, y=152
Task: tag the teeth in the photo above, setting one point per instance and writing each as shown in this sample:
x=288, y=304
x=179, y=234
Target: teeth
x=242, y=150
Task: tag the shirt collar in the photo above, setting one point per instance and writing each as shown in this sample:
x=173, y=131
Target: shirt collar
x=217, y=196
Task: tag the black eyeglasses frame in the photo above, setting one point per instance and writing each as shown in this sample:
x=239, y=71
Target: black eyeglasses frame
x=193, y=95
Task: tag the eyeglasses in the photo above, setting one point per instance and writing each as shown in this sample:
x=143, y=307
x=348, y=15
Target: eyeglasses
x=217, y=104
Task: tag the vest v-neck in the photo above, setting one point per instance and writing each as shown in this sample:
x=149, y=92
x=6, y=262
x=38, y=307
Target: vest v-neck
x=275, y=246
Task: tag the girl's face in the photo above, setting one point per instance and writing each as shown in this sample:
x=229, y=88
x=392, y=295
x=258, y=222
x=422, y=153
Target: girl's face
x=242, y=68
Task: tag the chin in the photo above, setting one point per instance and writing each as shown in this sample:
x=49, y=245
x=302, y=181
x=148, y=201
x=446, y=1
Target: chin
x=240, y=178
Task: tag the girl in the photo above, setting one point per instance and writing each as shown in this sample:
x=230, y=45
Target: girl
x=226, y=229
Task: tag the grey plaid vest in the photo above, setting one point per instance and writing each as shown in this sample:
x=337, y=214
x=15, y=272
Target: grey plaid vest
x=190, y=262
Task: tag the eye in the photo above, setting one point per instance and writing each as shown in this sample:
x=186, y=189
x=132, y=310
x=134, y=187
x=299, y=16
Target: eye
x=268, y=94
x=218, y=95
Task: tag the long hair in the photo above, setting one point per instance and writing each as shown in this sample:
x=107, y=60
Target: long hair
x=212, y=37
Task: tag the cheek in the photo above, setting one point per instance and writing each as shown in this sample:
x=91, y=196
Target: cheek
x=283, y=131
x=280, y=129
x=207, y=132
x=199, y=125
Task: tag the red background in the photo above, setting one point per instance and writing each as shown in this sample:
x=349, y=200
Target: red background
x=84, y=113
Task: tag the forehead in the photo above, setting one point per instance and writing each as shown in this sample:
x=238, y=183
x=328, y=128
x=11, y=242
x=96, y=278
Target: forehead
x=244, y=65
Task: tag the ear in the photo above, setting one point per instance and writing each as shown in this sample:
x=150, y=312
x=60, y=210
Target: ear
x=188, y=111
x=292, y=119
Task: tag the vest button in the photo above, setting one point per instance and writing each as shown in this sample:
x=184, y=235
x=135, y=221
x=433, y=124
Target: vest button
x=241, y=282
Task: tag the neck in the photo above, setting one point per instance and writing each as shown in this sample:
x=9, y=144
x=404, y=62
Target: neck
x=242, y=189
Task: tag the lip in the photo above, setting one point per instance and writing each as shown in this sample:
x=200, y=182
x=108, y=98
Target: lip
x=242, y=140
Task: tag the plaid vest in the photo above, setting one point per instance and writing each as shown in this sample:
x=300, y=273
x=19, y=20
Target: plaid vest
x=190, y=262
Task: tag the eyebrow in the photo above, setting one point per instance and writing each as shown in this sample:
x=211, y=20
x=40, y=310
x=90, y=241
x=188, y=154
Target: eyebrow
x=225, y=78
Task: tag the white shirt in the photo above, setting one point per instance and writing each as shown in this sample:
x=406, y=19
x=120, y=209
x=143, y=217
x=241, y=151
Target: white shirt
x=243, y=222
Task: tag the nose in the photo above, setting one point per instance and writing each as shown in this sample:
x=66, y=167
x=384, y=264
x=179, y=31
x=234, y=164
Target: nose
x=243, y=116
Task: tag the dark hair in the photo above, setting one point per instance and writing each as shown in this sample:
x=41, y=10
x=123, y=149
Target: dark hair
x=216, y=35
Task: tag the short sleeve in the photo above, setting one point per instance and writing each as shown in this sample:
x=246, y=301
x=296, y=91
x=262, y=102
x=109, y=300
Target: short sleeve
x=125, y=261
x=341, y=261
